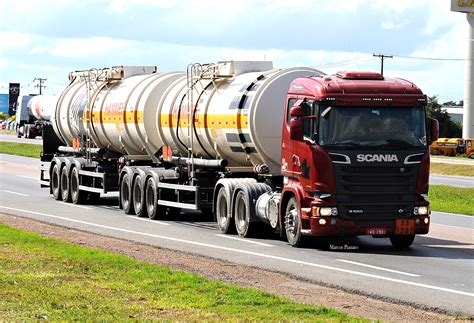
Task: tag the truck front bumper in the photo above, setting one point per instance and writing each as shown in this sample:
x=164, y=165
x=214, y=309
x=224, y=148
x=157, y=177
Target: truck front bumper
x=334, y=226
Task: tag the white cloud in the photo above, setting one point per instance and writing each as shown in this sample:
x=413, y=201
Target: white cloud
x=400, y=6
x=41, y=67
x=13, y=39
x=122, y=5
x=388, y=24
x=88, y=47
x=452, y=44
x=440, y=16
x=3, y=63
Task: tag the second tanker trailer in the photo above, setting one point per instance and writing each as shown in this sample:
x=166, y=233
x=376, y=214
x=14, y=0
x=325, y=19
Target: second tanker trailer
x=294, y=150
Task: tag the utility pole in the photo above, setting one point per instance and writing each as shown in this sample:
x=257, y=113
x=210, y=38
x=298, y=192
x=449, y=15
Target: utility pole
x=40, y=84
x=382, y=57
x=467, y=7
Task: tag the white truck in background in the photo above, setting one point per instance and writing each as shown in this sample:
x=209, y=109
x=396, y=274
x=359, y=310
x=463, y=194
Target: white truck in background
x=33, y=111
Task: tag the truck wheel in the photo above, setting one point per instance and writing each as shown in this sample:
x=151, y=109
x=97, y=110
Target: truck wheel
x=27, y=131
x=292, y=223
x=65, y=192
x=223, y=216
x=154, y=210
x=242, y=213
x=77, y=196
x=56, y=182
x=402, y=241
x=126, y=195
x=139, y=197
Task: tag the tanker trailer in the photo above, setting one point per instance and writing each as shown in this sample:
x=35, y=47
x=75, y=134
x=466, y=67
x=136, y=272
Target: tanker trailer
x=242, y=140
x=34, y=111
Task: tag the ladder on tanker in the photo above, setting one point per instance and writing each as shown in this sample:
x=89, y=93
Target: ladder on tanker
x=95, y=80
x=197, y=74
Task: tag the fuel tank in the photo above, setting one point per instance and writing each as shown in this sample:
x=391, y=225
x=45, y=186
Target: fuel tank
x=229, y=110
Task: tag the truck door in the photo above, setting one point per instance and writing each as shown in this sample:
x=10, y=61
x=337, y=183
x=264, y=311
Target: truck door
x=302, y=158
x=297, y=160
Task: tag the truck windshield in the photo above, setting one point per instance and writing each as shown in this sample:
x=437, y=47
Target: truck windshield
x=387, y=127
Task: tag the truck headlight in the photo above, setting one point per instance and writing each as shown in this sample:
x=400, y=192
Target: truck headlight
x=324, y=211
x=421, y=210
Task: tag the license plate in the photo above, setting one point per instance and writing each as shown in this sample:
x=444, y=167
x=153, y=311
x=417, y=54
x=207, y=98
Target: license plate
x=376, y=231
x=404, y=227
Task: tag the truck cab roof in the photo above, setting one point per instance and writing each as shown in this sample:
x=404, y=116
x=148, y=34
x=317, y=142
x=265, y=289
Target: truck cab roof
x=347, y=86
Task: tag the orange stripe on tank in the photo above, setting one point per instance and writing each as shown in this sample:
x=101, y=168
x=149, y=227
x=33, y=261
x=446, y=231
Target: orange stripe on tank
x=214, y=121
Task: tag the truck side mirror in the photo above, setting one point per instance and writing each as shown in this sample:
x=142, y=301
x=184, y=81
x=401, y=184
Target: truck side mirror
x=434, y=130
x=296, y=123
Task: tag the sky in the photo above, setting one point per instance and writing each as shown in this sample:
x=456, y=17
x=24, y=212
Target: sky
x=51, y=38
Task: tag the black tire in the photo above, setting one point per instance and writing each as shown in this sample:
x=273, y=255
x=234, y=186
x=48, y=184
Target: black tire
x=293, y=223
x=65, y=190
x=402, y=241
x=77, y=196
x=56, y=182
x=242, y=213
x=139, y=197
x=126, y=196
x=27, y=131
x=154, y=211
x=223, y=214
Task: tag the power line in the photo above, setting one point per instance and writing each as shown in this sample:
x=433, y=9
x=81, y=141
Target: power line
x=40, y=84
x=382, y=57
x=433, y=58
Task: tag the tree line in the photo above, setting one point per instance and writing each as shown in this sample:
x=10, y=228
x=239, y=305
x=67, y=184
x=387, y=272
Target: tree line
x=447, y=127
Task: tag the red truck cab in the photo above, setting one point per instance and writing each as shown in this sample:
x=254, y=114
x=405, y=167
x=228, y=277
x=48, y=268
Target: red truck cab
x=355, y=158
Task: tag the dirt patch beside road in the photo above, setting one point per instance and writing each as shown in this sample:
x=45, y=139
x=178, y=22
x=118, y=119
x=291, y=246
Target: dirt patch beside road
x=277, y=283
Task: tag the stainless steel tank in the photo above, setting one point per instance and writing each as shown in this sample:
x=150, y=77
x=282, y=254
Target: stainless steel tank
x=108, y=106
x=238, y=112
x=42, y=106
x=232, y=111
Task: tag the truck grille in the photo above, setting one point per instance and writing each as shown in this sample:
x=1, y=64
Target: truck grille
x=381, y=192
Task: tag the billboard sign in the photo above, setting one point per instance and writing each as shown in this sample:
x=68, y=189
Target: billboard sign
x=13, y=94
x=462, y=5
x=4, y=103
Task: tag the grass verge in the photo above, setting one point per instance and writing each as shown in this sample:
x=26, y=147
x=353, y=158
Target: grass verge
x=452, y=199
x=451, y=169
x=44, y=278
x=20, y=149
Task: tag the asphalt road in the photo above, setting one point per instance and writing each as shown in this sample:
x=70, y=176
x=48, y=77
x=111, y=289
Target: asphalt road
x=437, y=272
x=461, y=181
x=14, y=138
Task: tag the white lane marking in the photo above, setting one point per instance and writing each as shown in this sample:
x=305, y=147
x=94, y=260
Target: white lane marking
x=251, y=253
x=74, y=205
x=378, y=268
x=447, y=246
x=29, y=177
x=452, y=226
x=453, y=214
x=16, y=193
x=244, y=240
x=146, y=220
